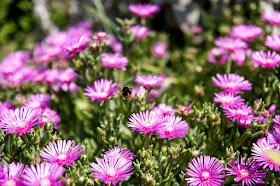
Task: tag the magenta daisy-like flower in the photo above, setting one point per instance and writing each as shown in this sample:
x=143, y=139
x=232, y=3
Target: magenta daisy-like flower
x=68, y=75
x=144, y=10
x=230, y=44
x=273, y=42
x=38, y=101
x=273, y=137
x=150, y=81
x=247, y=171
x=111, y=169
x=101, y=90
x=238, y=56
x=139, y=31
x=141, y=91
x=119, y=152
x=205, y=171
x=145, y=122
x=272, y=17
x=11, y=175
x=114, y=44
x=5, y=107
x=163, y=110
x=62, y=152
x=43, y=174
x=239, y=112
x=247, y=122
x=115, y=60
x=246, y=32
x=217, y=55
x=262, y=151
x=20, y=120
x=228, y=99
x=50, y=115
x=266, y=60
x=50, y=76
x=160, y=50
x=232, y=83
x=173, y=127
x=276, y=120
x=76, y=44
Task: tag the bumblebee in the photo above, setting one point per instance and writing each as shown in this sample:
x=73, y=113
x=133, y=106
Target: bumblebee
x=126, y=93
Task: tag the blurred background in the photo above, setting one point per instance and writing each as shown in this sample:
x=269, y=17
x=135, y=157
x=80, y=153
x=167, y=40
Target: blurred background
x=25, y=22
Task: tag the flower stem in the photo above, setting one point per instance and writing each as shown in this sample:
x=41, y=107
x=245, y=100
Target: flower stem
x=228, y=66
x=146, y=143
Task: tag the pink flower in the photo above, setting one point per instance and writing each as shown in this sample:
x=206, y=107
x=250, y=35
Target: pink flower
x=139, y=31
x=273, y=137
x=101, y=90
x=261, y=152
x=150, y=81
x=119, y=152
x=195, y=29
x=272, y=17
x=20, y=120
x=230, y=44
x=11, y=175
x=68, y=75
x=205, y=171
x=5, y=107
x=240, y=112
x=273, y=42
x=232, y=83
x=246, y=122
x=266, y=60
x=141, y=91
x=238, y=56
x=276, y=120
x=111, y=169
x=50, y=76
x=247, y=171
x=173, y=127
x=50, y=115
x=76, y=44
x=228, y=99
x=217, y=55
x=145, y=122
x=160, y=50
x=246, y=32
x=115, y=60
x=43, y=174
x=163, y=110
x=100, y=36
x=62, y=152
x=114, y=44
x=38, y=101
x=144, y=10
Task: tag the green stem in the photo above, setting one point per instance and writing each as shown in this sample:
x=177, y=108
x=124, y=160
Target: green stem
x=25, y=139
x=146, y=143
x=169, y=168
x=228, y=66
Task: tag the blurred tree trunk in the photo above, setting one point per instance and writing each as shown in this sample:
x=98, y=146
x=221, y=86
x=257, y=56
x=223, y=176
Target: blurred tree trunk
x=43, y=16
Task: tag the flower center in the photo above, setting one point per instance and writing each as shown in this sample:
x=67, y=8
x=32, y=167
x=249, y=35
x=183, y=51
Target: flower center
x=205, y=176
x=62, y=157
x=244, y=173
x=269, y=61
x=21, y=125
x=103, y=94
x=10, y=183
x=35, y=104
x=45, y=182
x=111, y=173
